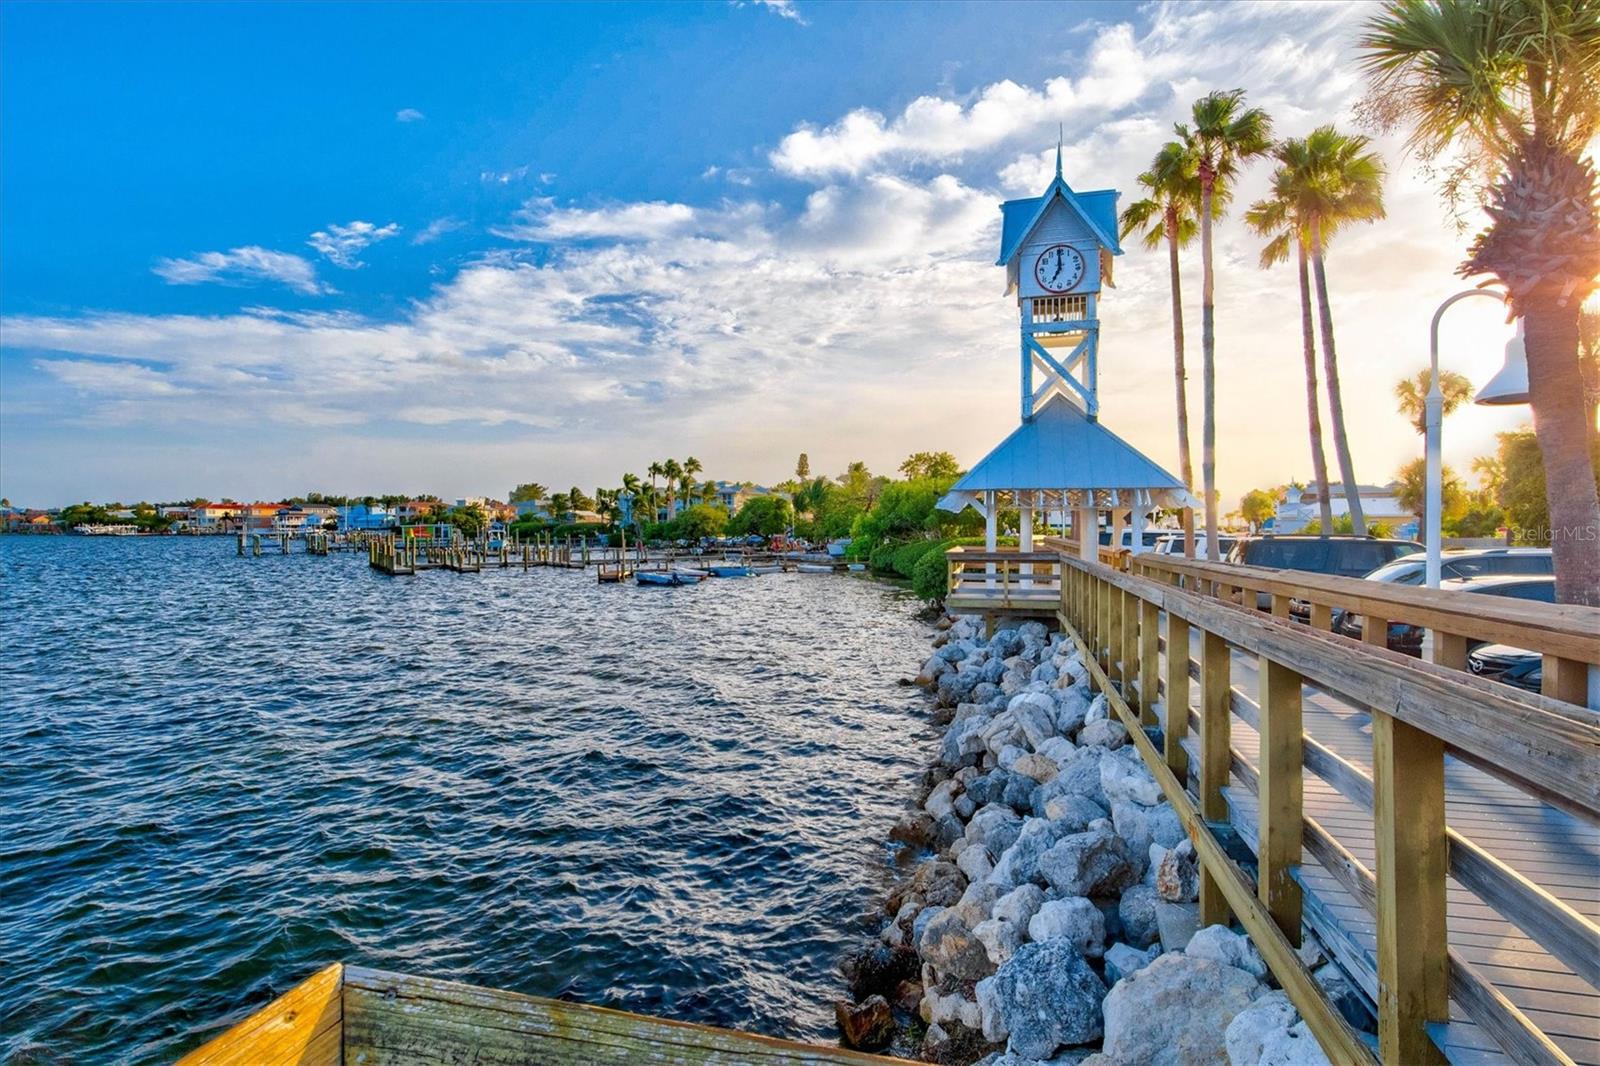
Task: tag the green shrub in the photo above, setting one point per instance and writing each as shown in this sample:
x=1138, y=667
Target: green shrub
x=929, y=577
x=907, y=556
x=882, y=556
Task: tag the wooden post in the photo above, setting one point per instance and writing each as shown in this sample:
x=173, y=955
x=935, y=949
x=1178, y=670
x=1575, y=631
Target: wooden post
x=1565, y=679
x=1177, y=705
x=1149, y=660
x=1412, y=860
x=1321, y=616
x=1450, y=649
x=1375, y=631
x=1215, y=681
x=1280, y=605
x=1128, y=653
x=1107, y=645
x=1279, y=795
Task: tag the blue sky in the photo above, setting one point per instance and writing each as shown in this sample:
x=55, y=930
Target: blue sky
x=259, y=249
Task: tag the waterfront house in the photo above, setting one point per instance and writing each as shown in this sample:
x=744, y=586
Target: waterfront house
x=413, y=511
x=735, y=494
x=1379, y=503
x=215, y=517
x=365, y=516
x=302, y=517
x=532, y=509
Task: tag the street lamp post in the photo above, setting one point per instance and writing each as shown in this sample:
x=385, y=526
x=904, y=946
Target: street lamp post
x=1433, y=417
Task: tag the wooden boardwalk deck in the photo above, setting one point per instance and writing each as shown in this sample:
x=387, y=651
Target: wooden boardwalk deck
x=1550, y=847
x=348, y=1014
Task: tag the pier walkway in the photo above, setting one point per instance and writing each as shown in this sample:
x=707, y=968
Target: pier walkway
x=1445, y=843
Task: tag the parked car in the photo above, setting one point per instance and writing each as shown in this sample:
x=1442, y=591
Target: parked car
x=1461, y=563
x=1172, y=544
x=1339, y=556
x=1540, y=588
x=1149, y=537
x=1514, y=666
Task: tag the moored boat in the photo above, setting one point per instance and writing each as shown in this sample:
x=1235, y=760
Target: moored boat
x=729, y=570
x=813, y=568
x=770, y=569
x=658, y=577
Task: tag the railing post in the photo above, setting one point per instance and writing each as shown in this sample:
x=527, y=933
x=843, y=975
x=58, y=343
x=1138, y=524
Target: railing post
x=1412, y=859
x=1565, y=679
x=1375, y=631
x=1130, y=641
x=1450, y=650
x=1321, y=617
x=1177, y=704
x=1279, y=796
x=1114, y=666
x=1149, y=660
x=1215, y=682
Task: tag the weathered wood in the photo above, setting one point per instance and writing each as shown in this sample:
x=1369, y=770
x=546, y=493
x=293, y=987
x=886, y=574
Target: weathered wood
x=1280, y=796
x=392, y=1019
x=1177, y=697
x=1559, y=629
x=1215, y=666
x=1338, y=1040
x=1149, y=660
x=1408, y=816
x=302, y=1027
x=1552, y=745
x=1450, y=650
x=1564, y=679
x=1375, y=631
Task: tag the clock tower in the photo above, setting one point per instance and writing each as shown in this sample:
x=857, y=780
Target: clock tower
x=1057, y=250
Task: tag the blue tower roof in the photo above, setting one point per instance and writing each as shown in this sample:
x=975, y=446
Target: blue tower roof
x=1098, y=209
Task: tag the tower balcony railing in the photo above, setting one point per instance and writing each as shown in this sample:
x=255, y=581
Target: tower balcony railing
x=1050, y=309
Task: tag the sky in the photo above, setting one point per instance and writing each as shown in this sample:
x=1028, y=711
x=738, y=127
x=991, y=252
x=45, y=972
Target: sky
x=253, y=250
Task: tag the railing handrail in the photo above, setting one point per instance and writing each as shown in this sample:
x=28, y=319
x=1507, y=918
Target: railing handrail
x=977, y=555
x=1560, y=742
x=1566, y=630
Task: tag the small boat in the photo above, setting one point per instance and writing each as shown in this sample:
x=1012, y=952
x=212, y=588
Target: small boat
x=813, y=568
x=656, y=577
x=690, y=573
x=729, y=570
x=767, y=569
x=857, y=567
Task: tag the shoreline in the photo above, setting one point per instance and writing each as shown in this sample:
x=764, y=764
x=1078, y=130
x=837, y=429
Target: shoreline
x=1047, y=910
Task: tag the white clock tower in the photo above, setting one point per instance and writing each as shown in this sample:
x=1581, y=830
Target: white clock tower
x=1057, y=250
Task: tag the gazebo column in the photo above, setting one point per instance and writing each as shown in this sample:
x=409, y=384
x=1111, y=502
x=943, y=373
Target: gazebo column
x=990, y=527
x=1138, y=517
x=1117, y=519
x=1025, y=539
x=1088, y=534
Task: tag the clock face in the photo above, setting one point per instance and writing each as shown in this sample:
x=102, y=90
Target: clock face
x=1059, y=268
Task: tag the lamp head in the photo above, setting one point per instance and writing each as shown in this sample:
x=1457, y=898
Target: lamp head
x=1510, y=385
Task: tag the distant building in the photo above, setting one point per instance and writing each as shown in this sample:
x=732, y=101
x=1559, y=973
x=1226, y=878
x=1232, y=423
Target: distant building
x=301, y=517
x=365, y=516
x=1378, y=504
x=735, y=494
x=532, y=509
x=413, y=510
x=216, y=517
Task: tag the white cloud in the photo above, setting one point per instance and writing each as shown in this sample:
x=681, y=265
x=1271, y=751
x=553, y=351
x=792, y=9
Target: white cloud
x=781, y=8
x=127, y=380
x=409, y=114
x=436, y=229
x=239, y=266
x=541, y=220
x=504, y=177
x=340, y=245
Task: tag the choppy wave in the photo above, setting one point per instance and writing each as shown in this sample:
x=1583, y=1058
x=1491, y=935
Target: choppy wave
x=217, y=774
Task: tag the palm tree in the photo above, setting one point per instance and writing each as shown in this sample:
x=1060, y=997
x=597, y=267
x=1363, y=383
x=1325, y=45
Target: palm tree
x=1278, y=218
x=1338, y=182
x=1509, y=87
x=1169, y=211
x=1411, y=394
x=654, y=470
x=1225, y=133
x=670, y=473
x=692, y=466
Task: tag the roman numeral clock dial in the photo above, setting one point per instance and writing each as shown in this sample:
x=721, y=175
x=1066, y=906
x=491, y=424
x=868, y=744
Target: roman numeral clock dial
x=1059, y=268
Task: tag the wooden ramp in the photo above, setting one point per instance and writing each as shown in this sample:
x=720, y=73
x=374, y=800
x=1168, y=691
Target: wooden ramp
x=351, y=1015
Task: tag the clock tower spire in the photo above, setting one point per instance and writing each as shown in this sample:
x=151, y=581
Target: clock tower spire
x=1057, y=250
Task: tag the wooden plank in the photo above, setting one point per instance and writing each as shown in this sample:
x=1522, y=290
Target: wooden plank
x=392, y=1019
x=293, y=1029
x=1177, y=697
x=1149, y=660
x=1215, y=663
x=1280, y=796
x=1413, y=962
x=1565, y=679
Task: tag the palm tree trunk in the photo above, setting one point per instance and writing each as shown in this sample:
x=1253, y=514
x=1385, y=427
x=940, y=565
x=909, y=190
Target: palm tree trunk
x=1179, y=374
x=1308, y=346
x=1208, y=372
x=1555, y=389
x=1330, y=366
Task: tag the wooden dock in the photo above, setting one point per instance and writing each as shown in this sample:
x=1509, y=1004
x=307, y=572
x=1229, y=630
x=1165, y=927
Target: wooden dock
x=348, y=1014
x=1439, y=832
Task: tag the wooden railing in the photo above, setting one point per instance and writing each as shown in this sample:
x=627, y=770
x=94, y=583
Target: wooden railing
x=1003, y=578
x=1567, y=637
x=1419, y=712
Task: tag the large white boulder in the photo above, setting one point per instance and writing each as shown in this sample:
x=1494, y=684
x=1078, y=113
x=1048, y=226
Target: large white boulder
x=1176, y=1011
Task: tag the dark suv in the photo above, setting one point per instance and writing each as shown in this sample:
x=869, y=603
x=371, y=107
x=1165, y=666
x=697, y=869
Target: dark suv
x=1339, y=556
x=1541, y=588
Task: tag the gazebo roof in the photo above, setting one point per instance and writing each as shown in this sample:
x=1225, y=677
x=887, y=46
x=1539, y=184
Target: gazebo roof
x=1060, y=450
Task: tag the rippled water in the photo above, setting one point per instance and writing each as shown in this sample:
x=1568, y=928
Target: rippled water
x=217, y=774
